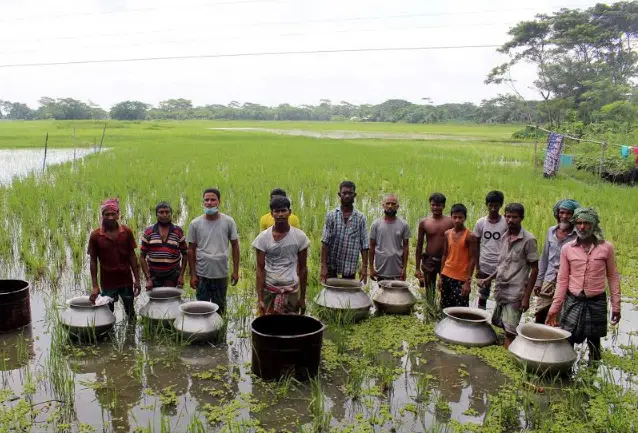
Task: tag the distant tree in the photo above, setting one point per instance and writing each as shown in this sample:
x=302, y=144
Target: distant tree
x=129, y=110
x=16, y=111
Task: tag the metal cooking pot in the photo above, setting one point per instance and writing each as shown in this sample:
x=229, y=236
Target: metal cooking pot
x=543, y=349
x=466, y=327
x=394, y=297
x=84, y=320
x=163, y=305
x=347, y=296
x=198, y=321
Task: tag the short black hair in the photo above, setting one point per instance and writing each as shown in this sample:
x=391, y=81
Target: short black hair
x=347, y=184
x=516, y=208
x=163, y=205
x=495, y=197
x=278, y=191
x=438, y=198
x=214, y=191
x=279, y=202
x=459, y=208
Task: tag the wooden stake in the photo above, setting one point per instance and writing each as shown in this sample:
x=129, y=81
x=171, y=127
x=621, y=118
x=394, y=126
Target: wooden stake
x=602, y=158
x=102, y=139
x=46, y=146
x=536, y=149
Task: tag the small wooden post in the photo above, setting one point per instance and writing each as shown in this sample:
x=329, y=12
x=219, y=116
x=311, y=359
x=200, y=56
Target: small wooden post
x=602, y=158
x=536, y=149
x=102, y=139
x=46, y=146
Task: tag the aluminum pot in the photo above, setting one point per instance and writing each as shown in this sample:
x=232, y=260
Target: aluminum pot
x=84, y=320
x=466, y=327
x=163, y=305
x=346, y=296
x=394, y=297
x=198, y=321
x=543, y=349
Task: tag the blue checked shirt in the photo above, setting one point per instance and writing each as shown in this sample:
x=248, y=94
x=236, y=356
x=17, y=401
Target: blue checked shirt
x=345, y=241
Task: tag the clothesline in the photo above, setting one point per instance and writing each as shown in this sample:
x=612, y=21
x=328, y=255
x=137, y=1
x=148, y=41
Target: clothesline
x=602, y=143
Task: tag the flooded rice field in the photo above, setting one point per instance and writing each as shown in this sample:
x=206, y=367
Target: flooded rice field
x=387, y=373
x=350, y=135
x=20, y=162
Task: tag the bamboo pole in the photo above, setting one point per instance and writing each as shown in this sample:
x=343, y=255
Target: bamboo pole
x=602, y=158
x=536, y=150
x=46, y=146
x=102, y=139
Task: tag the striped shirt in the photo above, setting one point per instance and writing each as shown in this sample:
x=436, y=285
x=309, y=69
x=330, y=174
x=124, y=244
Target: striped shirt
x=163, y=257
x=345, y=241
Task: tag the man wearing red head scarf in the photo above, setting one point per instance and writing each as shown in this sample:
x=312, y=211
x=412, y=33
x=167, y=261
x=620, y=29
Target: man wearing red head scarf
x=113, y=246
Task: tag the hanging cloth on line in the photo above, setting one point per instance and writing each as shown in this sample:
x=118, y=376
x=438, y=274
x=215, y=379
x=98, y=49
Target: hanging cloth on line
x=555, y=144
x=635, y=149
x=624, y=151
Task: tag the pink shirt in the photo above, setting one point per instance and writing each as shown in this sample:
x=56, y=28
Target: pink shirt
x=580, y=271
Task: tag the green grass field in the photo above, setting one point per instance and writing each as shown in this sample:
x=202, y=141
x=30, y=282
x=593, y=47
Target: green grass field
x=47, y=220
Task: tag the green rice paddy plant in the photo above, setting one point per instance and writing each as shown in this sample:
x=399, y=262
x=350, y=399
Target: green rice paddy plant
x=320, y=414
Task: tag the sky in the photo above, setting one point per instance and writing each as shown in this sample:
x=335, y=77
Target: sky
x=43, y=31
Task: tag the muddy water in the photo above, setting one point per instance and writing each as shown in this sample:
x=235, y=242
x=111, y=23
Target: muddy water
x=349, y=135
x=130, y=381
x=20, y=162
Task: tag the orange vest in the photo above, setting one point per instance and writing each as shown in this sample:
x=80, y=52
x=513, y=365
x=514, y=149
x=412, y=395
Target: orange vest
x=457, y=260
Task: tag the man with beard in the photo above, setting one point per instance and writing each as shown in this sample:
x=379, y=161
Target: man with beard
x=113, y=246
x=389, y=243
x=557, y=236
x=431, y=229
x=344, y=237
x=282, y=271
x=515, y=274
x=163, y=251
x=580, y=288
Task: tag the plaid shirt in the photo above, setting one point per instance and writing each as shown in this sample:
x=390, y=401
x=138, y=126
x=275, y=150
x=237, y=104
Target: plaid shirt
x=345, y=241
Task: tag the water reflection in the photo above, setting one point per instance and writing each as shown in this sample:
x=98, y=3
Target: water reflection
x=20, y=162
x=16, y=349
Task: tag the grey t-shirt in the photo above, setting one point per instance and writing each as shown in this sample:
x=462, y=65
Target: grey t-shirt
x=281, y=255
x=388, y=250
x=212, y=238
x=514, y=267
x=490, y=237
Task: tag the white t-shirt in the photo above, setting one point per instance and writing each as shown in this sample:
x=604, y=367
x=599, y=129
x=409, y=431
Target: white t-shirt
x=281, y=255
x=490, y=237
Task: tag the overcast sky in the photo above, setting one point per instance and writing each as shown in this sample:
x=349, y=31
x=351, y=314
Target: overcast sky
x=44, y=31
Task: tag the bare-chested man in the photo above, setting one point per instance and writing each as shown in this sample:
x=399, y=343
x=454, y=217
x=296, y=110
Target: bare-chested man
x=432, y=228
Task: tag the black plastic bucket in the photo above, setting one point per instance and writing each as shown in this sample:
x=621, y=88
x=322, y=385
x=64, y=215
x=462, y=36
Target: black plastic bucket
x=286, y=344
x=15, y=304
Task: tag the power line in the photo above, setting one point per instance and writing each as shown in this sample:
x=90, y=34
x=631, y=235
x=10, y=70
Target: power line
x=122, y=11
x=222, y=38
x=272, y=53
x=280, y=23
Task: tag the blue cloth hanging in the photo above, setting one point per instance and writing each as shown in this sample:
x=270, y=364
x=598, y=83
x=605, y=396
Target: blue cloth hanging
x=624, y=151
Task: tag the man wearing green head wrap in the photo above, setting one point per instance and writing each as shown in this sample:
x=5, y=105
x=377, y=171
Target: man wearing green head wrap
x=585, y=263
x=557, y=236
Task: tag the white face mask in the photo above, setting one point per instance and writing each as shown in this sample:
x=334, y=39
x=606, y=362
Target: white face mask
x=210, y=210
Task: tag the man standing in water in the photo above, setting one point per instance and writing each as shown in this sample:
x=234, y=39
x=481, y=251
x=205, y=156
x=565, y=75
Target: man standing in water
x=163, y=251
x=515, y=274
x=459, y=259
x=113, y=246
x=344, y=238
x=489, y=231
x=580, y=290
x=432, y=229
x=557, y=236
x=208, y=238
x=282, y=271
x=389, y=243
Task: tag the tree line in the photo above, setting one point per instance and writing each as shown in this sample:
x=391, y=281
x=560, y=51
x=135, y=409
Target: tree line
x=502, y=109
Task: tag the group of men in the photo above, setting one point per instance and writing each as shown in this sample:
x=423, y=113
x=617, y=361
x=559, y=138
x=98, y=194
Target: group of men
x=569, y=282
